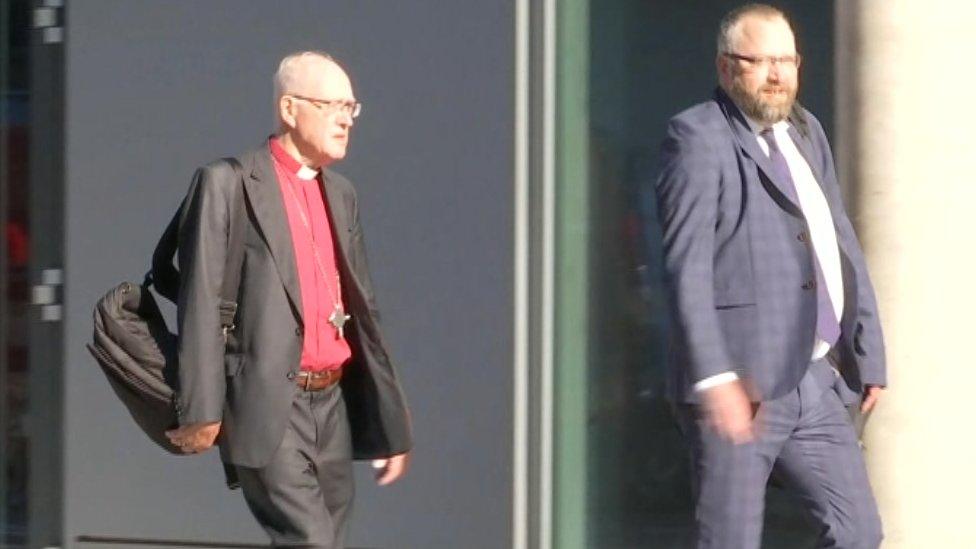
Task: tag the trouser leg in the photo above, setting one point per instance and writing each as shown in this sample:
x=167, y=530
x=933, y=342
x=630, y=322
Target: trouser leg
x=333, y=463
x=289, y=496
x=823, y=463
x=729, y=480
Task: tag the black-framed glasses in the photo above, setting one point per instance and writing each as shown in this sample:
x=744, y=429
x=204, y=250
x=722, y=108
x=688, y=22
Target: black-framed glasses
x=329, y=106
x=767, y=61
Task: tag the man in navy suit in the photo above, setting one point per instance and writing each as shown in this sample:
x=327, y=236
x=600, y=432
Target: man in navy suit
x=775, y=323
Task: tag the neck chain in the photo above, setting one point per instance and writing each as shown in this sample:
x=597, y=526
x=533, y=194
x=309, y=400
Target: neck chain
x=338, y=317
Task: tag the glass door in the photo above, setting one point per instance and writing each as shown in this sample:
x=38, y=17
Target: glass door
x=620, y=474
x=31, y=277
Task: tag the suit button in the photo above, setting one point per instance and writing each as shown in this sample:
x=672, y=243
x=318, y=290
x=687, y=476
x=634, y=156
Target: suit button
x=802, y=237
x=291, y=375
x=298, y=331
x=809, y=285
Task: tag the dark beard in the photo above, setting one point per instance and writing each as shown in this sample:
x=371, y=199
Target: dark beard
x=754, y=107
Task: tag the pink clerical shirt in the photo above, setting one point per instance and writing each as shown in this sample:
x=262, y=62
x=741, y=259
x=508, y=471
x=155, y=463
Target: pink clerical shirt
x=323, y=348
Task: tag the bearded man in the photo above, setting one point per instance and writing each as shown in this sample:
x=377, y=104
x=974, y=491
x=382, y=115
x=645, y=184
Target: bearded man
x=775, y=324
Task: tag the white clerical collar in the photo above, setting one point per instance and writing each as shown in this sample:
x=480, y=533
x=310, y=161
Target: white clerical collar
x=305, y=173
x=288, y=162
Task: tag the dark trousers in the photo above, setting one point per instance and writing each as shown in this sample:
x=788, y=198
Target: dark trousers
x=808, y=436
x=302, y=498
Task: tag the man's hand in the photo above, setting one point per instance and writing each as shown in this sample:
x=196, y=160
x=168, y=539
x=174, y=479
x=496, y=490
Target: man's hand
x=391, y=469
x=871, y=395
x=195, y=437
x=728, y=410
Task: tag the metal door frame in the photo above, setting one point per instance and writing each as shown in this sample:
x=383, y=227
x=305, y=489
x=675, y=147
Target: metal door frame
x=46, y=387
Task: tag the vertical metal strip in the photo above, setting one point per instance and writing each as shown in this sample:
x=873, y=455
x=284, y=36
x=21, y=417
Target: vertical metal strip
x=572, y=329
x=4, y=306
x=46, y=194
x=521, y=441
x=846, y=104
x=548, y=274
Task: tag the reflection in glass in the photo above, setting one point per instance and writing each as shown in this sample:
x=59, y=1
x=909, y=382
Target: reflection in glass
x=644, y=62
x=14, y=252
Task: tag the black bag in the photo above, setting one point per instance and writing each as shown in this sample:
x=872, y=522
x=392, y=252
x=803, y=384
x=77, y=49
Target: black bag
x=133, y=346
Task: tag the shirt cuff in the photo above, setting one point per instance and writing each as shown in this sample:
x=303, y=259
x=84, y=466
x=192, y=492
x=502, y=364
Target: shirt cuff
x=712, y=381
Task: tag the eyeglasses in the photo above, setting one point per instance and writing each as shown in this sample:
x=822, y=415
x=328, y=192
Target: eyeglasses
x=329, y=106
x=767, y=61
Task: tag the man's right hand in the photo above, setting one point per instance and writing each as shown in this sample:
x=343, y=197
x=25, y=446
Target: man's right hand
x=729, y=412
x=195, y=437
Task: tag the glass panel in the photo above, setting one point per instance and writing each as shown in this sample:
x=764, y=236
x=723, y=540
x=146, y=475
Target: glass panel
x=624, y=67
x=31, y=248
x=14, y=281
x=572, y=278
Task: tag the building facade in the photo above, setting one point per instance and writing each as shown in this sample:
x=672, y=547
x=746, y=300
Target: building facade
x=499, y=162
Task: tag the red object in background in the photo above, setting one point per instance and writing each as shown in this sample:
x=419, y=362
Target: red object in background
x=15, y=197
x=17, y=244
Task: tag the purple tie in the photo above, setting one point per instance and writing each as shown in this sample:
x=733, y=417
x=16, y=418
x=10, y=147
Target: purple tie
x=828, y=329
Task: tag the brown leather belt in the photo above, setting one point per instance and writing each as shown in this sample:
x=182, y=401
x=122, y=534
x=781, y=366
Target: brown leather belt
x=316, y=381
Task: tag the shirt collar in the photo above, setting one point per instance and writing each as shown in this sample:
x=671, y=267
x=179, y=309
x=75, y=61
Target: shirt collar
x=757, y=128
x=286, y=161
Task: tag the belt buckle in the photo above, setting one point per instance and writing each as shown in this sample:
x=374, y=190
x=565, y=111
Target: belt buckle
x=325, y=378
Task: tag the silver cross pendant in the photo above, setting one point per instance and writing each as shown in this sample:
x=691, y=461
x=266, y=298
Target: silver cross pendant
x=338, y=319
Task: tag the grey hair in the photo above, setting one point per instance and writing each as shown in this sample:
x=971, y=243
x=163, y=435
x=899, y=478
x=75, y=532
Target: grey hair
x=728, y=29
x=287, y=73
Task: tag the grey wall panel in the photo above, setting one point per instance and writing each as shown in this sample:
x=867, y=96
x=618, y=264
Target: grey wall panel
x=154, y=89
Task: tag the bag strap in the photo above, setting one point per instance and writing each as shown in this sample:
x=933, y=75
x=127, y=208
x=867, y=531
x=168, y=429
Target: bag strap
x=235, y=252
x=164, y=276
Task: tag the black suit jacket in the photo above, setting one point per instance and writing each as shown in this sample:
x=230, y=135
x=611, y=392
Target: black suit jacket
x=248, y=384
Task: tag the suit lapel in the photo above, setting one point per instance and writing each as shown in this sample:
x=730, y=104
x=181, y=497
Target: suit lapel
x=749, y=144
x=805, y=146
x=264, y=195
x=806, y=151
x=336, y=208
x=342, y=228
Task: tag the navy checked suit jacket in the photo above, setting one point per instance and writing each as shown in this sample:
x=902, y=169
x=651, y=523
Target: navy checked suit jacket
x=738, y=259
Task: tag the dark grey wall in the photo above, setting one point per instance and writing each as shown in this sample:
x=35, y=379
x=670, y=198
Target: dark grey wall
x=155, y=89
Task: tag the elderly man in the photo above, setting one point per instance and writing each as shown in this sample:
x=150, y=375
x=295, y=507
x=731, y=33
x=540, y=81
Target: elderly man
x=302, y=383
x=775, y=322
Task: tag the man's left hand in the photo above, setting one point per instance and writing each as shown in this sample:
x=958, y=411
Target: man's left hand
x=390, y=470
x=871, y=395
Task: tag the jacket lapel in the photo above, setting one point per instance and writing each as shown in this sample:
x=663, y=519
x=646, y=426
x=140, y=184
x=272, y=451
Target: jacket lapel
x=805, y=146
x=801, y=138
x=264, y=196
x=342, y=228
x=749, y=144
x=336, y=208
x=806, y=151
